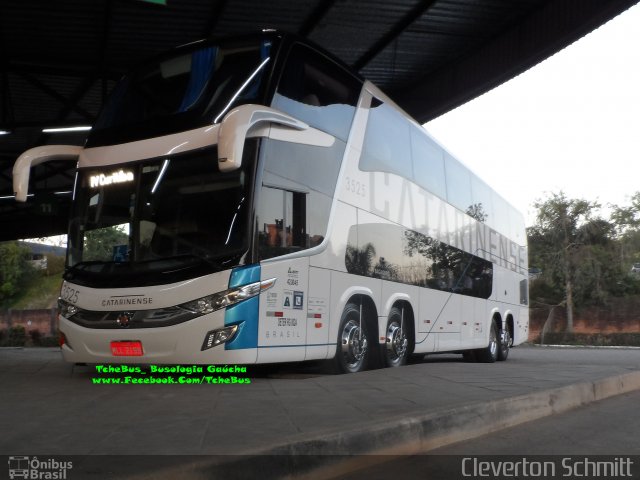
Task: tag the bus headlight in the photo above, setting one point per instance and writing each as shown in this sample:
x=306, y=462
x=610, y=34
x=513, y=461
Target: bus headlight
x=66, y=309
x=226, y=298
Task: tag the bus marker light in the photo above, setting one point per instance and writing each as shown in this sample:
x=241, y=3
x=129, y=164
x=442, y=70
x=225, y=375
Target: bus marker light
x=318, y=325
x=132, y=348
x=216, y=337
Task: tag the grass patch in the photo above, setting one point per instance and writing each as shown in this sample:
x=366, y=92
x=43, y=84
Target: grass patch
x=41, y=292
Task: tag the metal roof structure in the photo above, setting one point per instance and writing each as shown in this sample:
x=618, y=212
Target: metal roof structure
x=59, y=60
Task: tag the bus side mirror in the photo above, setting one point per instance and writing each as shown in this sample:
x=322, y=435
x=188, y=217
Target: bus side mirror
x=36, y=156
x=236, y=126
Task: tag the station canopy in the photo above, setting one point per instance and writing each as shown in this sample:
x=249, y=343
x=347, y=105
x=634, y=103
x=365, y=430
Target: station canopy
x=59, y=60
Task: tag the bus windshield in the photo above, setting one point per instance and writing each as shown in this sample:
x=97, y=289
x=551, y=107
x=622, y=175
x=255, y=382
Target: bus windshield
x=174, y=216
x=182, y=91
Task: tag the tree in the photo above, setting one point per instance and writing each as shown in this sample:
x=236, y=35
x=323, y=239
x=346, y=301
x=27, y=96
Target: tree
x=99, y=243
x=476, y=211
x=626, y=221
x=360, y=260
x=15, y=268
x=562, y=226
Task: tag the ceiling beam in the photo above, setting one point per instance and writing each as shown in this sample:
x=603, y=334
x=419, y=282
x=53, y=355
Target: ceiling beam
x=54, y=94
x=104, y=39
x=24, y=224
x=315, y=17
x=72, y=102
x=50, y=170
x=70, y=105
x=6, y=115
x=61, y=69
x=39, y=124
x=415, y=13
x=216, y=13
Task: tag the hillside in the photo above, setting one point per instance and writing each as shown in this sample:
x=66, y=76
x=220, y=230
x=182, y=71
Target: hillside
x=40, y=292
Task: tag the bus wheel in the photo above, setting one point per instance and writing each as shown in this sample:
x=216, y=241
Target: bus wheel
x=396, y=349
x=353, y=347
x=505, y=342
x=489, y=354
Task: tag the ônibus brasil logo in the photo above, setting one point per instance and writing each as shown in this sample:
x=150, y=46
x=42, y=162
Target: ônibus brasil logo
x=33, y=468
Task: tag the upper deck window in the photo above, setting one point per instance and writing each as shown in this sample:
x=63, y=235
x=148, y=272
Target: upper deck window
x=183, y=91
x=387, y=145
x=317, y=91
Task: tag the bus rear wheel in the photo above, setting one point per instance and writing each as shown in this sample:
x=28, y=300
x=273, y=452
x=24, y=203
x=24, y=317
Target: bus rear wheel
x=352, y=352
x=489, y=354
x=505, y=342
x=396, y=349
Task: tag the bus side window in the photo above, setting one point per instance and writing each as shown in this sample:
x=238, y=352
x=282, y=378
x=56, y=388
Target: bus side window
x=282, y=217
x=387, y=144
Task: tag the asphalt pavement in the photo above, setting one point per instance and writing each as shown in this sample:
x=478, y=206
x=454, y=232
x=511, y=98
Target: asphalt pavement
x=288, y=419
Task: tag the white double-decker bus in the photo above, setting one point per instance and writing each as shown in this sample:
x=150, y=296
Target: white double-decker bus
x=253, y=201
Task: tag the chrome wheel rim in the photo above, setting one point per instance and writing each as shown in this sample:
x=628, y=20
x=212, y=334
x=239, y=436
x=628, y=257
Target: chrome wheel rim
x=493, y=343
x=396, y=342
x=506, y=339
x=353, y=343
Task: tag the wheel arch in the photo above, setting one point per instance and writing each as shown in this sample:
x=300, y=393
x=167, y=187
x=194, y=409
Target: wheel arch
x=495, y=316
x=346, y=351
x=369, y=310
x=354, y=294
x=510, y=325
x=399, y=300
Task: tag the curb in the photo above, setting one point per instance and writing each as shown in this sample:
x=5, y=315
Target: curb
x=600, y=347
x=332, y=454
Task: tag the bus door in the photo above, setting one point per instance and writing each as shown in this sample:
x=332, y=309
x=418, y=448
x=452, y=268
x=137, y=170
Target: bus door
x=282, y=331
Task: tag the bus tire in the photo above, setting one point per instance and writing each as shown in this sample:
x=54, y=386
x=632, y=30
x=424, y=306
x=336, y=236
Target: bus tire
x=504, y=344
x=396, y=347
x=489, y=354
x=353, y=349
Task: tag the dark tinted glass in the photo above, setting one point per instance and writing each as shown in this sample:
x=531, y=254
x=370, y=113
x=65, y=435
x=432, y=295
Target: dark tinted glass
x=317, y=91
x=162, y=215
x=394, y=253
x=295, y=200
x=181, y=92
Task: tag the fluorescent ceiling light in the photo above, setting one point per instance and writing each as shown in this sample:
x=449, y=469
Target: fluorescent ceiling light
x=81, y=128
x=5, y=197
x=157, y=2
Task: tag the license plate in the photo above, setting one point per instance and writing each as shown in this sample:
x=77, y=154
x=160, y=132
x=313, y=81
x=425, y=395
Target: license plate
x=126, y=349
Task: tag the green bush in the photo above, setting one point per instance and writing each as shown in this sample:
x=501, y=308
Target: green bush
x=593, y=339
x=16, y=270
x=16, y=337
x=36, y=337
x=55, y=265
